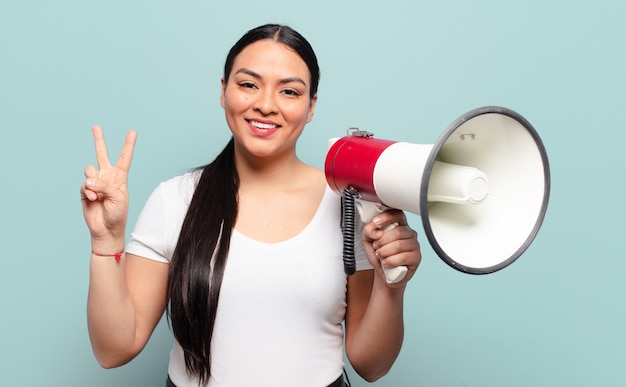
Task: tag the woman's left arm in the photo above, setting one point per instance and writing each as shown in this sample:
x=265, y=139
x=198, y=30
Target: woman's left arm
x=374, y=316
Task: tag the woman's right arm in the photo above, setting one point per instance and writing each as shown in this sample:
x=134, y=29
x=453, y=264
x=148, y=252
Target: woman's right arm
x=126, y=301
x=127, y=297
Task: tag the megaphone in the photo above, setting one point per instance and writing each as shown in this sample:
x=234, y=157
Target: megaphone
x=481, y=189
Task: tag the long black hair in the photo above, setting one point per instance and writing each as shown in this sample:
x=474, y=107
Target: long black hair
x=199, y=260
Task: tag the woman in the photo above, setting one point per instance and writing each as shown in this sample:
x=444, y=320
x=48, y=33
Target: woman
x=258, y=230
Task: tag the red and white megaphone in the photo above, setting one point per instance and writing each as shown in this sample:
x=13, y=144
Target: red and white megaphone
x=481, y=190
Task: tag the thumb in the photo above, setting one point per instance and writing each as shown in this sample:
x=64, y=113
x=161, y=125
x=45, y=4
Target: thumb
x=90, y=189
x=94, y=189
x=95, y=186
x=102, y=186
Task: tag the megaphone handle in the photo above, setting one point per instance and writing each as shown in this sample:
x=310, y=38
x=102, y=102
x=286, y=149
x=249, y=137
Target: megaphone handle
x=367, y=211
x=397, y=273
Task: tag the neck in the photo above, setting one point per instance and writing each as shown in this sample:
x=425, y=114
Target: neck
x=269, y=172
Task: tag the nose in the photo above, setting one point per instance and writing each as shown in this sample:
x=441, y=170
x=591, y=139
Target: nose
x=265, y=102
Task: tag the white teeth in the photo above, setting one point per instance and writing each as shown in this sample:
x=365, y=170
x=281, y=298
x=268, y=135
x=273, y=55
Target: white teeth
x=262, y=125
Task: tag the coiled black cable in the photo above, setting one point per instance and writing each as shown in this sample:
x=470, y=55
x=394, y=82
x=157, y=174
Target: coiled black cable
x=348, y=227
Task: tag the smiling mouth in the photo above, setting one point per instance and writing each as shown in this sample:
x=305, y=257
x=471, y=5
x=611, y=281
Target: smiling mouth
x=262, y=125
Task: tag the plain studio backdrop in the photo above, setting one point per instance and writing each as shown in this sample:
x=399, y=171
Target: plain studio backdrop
x=403, y=70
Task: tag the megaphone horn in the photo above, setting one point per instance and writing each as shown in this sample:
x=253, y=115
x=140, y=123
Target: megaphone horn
x=481, y=190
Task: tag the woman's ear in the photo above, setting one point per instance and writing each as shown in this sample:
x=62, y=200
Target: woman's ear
x=223, y=92
x=311, y=109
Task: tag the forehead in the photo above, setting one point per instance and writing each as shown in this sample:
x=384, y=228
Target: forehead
x=267, y=57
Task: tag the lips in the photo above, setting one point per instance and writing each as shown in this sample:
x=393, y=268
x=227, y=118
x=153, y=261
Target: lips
x=262, y=128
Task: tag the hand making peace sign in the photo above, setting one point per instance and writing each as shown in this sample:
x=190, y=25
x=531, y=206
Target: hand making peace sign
x=104, y=192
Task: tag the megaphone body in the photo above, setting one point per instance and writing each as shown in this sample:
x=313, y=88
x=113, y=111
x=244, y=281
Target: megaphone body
x=481, y=190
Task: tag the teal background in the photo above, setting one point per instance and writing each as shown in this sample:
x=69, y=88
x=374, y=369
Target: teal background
x=401, y=69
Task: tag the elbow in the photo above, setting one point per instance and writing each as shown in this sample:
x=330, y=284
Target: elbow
x=109, y=360
x=371, y=375
x=370, y=370
x=106, y=364
x=111, y=353
x=109, y=363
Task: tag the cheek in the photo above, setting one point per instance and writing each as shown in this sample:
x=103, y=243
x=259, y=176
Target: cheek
x=297, y=112
x=235, y=103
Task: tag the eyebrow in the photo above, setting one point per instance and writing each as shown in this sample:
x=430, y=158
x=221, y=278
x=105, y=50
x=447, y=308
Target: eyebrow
x=258, y=76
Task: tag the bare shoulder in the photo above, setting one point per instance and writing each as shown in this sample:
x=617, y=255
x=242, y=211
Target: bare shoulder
x=313, y=171
x=313, y=177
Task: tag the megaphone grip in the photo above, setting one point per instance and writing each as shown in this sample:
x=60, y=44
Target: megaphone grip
x=367, y=211
x=397, y=273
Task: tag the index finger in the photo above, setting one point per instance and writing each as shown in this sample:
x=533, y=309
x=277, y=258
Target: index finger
x=390, y=216
x=127, y=151
x=102, y=155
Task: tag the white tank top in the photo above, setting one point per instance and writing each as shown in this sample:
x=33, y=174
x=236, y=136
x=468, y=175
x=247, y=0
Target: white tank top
x=281, y=308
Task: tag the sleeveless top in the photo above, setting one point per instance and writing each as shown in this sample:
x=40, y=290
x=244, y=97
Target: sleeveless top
x=281, y=306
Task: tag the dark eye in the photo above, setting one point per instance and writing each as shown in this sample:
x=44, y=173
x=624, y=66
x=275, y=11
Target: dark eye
x=291, y=92
x=247, y=85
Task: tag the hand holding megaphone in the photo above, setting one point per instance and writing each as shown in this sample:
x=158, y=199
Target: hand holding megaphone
x=367, y=211
x=481, y=190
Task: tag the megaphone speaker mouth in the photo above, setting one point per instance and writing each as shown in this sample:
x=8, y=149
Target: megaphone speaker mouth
x=489, y=235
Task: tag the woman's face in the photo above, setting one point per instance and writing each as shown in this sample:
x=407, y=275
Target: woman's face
x=266, y=99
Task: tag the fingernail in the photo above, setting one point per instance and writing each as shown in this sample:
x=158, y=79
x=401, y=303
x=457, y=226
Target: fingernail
x=90, y=183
